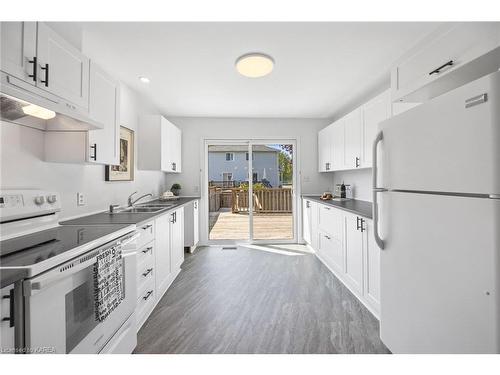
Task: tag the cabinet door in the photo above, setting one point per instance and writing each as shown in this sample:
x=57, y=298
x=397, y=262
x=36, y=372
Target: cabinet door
x=196, y=222
x=372, y=266
x=104, y=108
x=306, y=220
x=374, y=112
x=448, y=48
x=177, y=239
x=163, y=254
x=178, y=149
x=325, y=149
x=338, y=146
x=166, y=165
x=63, y=69
x=353, y=253
x=17, y=49
x=352, y=144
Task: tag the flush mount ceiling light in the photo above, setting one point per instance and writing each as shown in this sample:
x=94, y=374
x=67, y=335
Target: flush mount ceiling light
x=254, y=65
x=144, y=79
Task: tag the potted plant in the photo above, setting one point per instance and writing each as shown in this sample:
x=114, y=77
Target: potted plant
x=176, y=189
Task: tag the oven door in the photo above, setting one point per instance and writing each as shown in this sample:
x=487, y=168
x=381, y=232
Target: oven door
x=60, y=310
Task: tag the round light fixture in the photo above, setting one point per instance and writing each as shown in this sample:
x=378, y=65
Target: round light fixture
x=144, y=79
x=254, y=65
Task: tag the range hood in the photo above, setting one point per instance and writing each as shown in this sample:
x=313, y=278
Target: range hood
x=27, y=105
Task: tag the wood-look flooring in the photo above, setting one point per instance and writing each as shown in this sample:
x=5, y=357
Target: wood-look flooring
x=258, y=299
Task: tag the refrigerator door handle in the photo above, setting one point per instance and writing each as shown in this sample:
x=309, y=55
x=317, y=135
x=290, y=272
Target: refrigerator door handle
x=376, y=190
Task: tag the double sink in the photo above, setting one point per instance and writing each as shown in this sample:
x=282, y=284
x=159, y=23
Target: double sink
x=145, y=208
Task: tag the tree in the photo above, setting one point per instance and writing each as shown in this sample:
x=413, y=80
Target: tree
x=285, y=166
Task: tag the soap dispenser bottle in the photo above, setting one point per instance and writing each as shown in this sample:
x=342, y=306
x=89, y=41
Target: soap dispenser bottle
x=342, y=190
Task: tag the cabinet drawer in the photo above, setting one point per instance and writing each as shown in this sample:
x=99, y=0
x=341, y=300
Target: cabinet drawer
x=330, y=221
x=145, y=303
x=147, y=231
x=145, y=273
x=145, y=252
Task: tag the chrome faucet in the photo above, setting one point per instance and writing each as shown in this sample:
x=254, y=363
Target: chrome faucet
x=132, y=202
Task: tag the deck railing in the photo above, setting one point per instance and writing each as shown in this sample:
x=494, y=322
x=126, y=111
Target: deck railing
x=274, y=200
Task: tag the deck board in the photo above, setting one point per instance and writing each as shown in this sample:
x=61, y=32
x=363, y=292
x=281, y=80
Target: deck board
x=226, y=225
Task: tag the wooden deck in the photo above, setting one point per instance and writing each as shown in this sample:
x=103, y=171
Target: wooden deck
x=228, y=226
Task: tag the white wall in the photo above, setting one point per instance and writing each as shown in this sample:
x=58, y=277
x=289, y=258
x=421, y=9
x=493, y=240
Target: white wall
x=360, y=180
x=195, y=130
x=22, y=166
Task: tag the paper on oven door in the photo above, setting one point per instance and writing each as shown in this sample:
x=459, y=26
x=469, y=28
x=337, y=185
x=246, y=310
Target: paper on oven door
x=108, y=282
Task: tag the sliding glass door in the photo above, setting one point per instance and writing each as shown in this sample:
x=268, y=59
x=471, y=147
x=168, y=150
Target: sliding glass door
x=251, y=191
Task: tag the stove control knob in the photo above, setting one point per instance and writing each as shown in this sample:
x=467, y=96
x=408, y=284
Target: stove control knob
x=51, y=199
x=39, y=200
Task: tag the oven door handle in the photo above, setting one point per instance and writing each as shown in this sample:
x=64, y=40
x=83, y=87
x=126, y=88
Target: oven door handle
x=35, y=285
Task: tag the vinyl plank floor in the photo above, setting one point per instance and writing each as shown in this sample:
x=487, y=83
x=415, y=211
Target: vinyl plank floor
x=258, y=299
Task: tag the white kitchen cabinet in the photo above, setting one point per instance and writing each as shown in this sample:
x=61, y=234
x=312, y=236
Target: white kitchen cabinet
x=375, y=111
x=62, y=69
x=192, y=225
x=104, y=108
x=163, y=262
x=338, y=144
x=6, y=319
x=352, y=139
x=345, y=244
x=325, y=149
x=310, y=222
x=18, y=50
x=169, y=247
x=100, y=146
x=160, y=145
x=353, y=252
x=372, y=267
x=444, y=51
x=177, y=240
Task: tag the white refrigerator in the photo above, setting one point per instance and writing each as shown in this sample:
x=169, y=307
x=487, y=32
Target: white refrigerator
x=436, y=180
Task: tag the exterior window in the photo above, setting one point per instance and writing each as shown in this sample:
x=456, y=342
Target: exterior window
x=255, y=177
x=253, y=156
x=229, y=156
x=227, y=176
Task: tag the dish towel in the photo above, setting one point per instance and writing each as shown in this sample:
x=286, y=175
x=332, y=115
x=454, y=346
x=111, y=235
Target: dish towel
x=108, y=282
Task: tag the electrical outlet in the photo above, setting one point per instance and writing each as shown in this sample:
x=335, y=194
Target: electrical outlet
x=307, y=179
x=196, y=188
x=80, y=199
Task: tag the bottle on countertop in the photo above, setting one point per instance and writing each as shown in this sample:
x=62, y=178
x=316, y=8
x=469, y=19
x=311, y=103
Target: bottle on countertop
x=342, y=190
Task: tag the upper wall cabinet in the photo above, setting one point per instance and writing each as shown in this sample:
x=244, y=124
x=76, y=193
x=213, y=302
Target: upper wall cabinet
x=347, y=143
x=95, y=146
x=35, y=54
x=62, y=69
x=159, y=144
x=18, y=50
x=458, y=51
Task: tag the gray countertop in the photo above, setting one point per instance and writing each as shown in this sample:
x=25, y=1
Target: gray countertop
x=126, y=218
x=358, y=207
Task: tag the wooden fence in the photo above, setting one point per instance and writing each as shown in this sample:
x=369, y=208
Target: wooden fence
x=274, y=200
x=219, y=198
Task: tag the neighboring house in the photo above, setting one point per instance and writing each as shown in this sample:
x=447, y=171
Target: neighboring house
x=230, y=163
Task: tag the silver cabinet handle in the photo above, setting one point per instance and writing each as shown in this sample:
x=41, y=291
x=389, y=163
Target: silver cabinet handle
x=327, y=237
x=376, y=190
x=327, y=208
x=148, y=271
x=146, y=227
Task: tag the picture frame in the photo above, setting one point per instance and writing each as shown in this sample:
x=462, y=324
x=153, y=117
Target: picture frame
x=125, y=170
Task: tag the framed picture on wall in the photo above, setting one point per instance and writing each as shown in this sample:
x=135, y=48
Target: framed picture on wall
x=124, y=171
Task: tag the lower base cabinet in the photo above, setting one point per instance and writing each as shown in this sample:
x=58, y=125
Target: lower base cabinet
x=160, y=256
x=344, y=242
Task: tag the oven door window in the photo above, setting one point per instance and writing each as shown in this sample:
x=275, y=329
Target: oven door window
x=80, y=311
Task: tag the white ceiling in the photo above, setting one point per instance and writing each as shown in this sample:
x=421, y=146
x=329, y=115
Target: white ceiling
x=320, y=68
